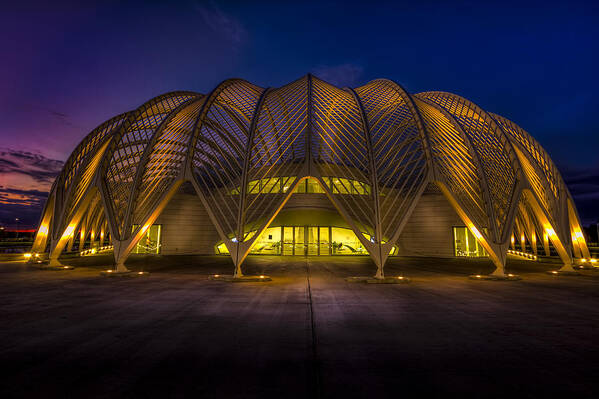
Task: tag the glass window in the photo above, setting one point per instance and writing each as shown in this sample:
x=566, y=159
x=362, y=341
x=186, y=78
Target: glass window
x=341, y=186
x=254, y=187
x=314, y=187
x=323, y=241
x=358, y=188
x=312, y=240
x=466, y=244
x=150, y=242
x=269, y=242
x=287, y=240
x=286, y=183
x=271, y=186
x=222, y=249
x=327, y=182
x=345, y=242
x=299, y=241
x=301, y=187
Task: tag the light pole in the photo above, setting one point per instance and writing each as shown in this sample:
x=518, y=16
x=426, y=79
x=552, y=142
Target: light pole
x=17, y=236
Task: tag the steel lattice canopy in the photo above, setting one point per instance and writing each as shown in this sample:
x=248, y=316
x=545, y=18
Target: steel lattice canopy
x=496, y=176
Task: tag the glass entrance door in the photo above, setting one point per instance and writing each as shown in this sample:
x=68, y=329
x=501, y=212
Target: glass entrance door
x=300, y=241
x=324, y=247
x=312, y=240
x=287, y=240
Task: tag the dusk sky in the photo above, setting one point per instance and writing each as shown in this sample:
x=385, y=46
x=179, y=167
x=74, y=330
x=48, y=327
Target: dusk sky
x=67, y=67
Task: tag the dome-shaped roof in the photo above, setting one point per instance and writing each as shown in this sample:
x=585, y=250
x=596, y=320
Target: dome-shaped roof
x=378, y=136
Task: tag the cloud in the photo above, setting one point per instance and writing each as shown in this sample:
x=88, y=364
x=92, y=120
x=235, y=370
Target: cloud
x=340, y=75
x=26, y=180
x=36, y=166
x=222, y=24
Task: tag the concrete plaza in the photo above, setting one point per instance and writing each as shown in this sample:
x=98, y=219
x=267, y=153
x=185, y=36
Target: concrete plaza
x=308, y=333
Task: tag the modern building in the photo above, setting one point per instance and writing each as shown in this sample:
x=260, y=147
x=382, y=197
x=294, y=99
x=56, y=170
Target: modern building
x=311, y=169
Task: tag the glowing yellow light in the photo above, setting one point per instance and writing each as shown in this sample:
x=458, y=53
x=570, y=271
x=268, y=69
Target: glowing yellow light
x=478, y=276
x=27, y=255
x=583, y=260
x=550, y=231
x=400, y=278
x=510, y=275
x=261, y=276
x=593, y=260
x=69, y=230
x=108, y=271
x=140, y=272
x=554, y=272
x=65, y=267
x=43, y=230
x=475, y=231
x=216, y=275
x=93, y=251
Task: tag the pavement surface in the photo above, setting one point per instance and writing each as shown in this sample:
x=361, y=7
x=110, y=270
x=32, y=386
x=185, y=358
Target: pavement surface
x=306, y=334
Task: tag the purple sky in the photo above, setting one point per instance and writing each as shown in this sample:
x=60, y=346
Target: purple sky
x=67, y=67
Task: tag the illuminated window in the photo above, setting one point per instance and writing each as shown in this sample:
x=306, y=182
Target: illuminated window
x=299, y=242
x=341, y=186
x=269, y=242
x=254, y=187
x=222, y=249
x=314, y=187
x=359, y=188
x=283, y=184
x=304, y=240
x=323, y=241
x=312, y=240
x=301, y=187
x=286, y=183
x=466, y=244
x=345, y=242
x=271, y=186
x=150, y=242
x=287, y=240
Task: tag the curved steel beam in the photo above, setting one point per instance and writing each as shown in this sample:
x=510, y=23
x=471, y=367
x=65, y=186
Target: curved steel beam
x=148, y=150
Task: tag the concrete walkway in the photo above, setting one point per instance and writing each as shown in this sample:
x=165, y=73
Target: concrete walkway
x=306, y=334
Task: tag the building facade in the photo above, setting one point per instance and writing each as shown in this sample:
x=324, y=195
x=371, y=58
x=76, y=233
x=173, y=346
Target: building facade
x=311, y=169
